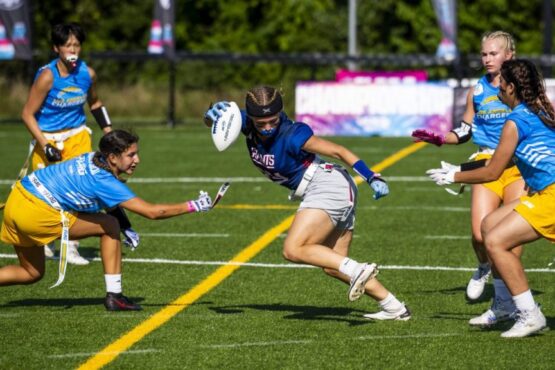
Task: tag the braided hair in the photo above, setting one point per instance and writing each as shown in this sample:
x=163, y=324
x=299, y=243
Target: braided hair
x=505, y=37
x=529, y=88
x=115, y=142
x=262, y=95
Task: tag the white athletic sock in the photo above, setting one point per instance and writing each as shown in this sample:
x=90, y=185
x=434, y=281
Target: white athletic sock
x=501, y=290
x=113, y=283
x=524, y=301
x=391, y=304
x=349, y=267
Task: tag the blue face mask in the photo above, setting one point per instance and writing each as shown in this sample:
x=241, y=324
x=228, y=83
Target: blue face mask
x=268, y=133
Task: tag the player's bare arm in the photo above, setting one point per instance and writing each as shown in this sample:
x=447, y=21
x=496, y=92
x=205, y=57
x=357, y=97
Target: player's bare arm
x=37, y=95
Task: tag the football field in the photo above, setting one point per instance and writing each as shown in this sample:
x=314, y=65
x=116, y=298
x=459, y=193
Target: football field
x=216, y=292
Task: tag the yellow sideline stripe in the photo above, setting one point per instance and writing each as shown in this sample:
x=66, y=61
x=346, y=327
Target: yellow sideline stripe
x=110, y=352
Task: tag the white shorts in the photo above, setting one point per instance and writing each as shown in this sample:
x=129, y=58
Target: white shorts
x=335, y=192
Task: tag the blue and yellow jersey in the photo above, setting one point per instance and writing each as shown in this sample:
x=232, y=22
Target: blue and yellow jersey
x=63, y=107
x=490, y=114
x=535, y=151
x=281, y=158
x=79, y=185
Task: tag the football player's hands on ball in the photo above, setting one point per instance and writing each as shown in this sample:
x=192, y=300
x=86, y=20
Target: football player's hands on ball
x=215, y=112
x=202, y=204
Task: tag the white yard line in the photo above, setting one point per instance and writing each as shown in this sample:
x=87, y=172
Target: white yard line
x=185, y=235
x=310, y=341
x=284, y=265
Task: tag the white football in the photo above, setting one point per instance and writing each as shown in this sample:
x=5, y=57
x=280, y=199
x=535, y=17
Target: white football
x=227, y=128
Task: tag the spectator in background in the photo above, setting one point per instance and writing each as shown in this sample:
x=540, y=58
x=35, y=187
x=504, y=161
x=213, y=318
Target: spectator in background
x=483, y=121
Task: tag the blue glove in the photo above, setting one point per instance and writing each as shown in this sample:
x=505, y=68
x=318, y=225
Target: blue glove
x=379, y=186
x=215, y=112
x=131, y=238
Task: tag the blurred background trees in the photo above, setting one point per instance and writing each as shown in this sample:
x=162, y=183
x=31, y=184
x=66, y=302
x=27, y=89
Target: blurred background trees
x=252, y=27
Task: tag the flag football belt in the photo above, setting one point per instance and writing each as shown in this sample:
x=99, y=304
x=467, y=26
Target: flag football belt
x=65, y=226
x=60, y=137
x=307, y=177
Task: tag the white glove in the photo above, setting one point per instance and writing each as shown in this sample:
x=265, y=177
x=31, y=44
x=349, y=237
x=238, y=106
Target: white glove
x=444, y=175
x=131, y=238
x=202, y=204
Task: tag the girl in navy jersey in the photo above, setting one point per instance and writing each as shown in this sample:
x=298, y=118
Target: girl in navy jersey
x=529, y=136
x=288, y=153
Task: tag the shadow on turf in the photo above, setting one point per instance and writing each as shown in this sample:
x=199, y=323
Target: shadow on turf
x=61, y=302
x=340, y=314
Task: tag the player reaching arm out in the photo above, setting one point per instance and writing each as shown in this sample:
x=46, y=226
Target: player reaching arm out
x=54, y=112
x=528, y=135
x=65, y=200
x=487, y=113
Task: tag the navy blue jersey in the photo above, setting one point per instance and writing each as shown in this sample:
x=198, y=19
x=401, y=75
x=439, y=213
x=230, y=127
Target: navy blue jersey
x=280, y=158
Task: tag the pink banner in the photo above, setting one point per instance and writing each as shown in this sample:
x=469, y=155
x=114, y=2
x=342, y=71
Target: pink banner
x=357, y=109
x=384, y=77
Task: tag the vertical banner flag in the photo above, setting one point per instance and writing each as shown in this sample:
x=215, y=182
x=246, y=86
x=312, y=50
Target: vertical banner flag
x=15, y=31
x=161, y=29
x=446, y=12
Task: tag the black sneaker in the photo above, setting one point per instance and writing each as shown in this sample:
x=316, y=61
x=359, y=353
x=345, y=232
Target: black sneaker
x=119, y=302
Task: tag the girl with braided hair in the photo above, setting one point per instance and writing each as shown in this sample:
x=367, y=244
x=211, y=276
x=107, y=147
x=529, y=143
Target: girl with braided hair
x=65, y=201
x=288, y=153
x=482, y=122
x=529, y=136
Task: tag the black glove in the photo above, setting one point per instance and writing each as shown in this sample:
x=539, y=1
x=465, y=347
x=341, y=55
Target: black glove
x=52, y=153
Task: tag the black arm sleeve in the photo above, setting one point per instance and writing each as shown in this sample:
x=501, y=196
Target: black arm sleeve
x=469, y=166
x=101, y=116
x=119, y=213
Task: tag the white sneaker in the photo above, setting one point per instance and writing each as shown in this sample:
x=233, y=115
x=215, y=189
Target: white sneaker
x=476, y=285
x=49, y=250
x=498, y=312
x=73, y=256
x=527, y=322
x=367, y=272
x=403, y=315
